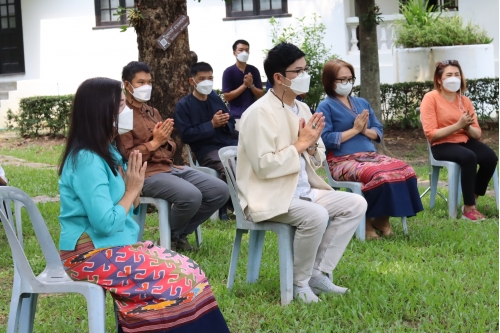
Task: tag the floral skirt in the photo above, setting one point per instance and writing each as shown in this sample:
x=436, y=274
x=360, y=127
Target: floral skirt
x=389, y=185
x=155, y=289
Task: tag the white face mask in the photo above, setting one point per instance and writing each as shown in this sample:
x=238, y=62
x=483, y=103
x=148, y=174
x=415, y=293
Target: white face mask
x=300, y=85
x=143, y=93
x=204, y=87
x=242, y=57
x=452, y=84
x=343, y=89
x=125, y=120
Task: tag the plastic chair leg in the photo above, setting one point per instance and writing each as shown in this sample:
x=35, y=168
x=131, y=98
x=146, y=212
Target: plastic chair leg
x=96, y=308
x=405, y=226
x=163, y=212
x=453, y=182
x=285, y=247
x=15, y=302
x=27, y=313
x=495, y=186
x=140, y=218
x=255, y=247
x=433, y=184
x=234, y=258
x=198, y=236
x=361, y=231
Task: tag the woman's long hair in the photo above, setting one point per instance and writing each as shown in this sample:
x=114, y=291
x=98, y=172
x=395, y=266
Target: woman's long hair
x=94, y=113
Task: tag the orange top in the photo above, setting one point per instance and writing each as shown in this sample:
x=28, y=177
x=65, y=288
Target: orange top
x=437, y=112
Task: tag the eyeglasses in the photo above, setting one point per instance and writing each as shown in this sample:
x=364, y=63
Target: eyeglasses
x=448, y=62
x=344, y=81
x=299, y=71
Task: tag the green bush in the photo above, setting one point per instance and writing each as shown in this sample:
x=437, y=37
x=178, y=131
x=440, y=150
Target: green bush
x=41, y=113
x=422, y=27
x=400, y=100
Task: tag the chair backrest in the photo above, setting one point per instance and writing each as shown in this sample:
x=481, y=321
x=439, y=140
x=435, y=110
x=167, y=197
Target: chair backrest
x=192, y=163
x=430, y=156
x=12, y=224
x=227, y=156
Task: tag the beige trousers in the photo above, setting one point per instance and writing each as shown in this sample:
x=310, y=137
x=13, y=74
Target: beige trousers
x=318, y=244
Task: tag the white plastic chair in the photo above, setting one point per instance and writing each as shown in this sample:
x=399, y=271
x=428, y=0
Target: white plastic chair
x=163, y=219
x=284, y=232
x=454, y=183
x=355, y=187
x=53, y=279
x=209, y=171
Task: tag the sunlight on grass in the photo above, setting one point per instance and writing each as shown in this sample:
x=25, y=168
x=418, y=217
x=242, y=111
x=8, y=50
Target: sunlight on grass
x=441, y=277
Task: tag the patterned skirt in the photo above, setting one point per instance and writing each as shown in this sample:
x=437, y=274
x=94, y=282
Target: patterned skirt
x=389, y=185
x=155, y=289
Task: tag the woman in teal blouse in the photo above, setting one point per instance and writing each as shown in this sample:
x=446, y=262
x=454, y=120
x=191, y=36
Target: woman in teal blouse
x=155, y=289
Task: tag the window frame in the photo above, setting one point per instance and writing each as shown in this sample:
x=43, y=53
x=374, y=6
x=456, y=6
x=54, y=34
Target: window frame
x=113, y=23
x=256, y=13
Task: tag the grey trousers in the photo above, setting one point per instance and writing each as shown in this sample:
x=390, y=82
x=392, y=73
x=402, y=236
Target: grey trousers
x=194, y=196
x=318, y=244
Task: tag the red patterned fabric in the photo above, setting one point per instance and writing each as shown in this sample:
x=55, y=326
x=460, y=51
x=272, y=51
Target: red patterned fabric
x=371, y=174
x=155, y=289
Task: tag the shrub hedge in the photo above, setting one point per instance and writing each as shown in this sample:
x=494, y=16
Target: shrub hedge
x=41, y=113
x=399, y=102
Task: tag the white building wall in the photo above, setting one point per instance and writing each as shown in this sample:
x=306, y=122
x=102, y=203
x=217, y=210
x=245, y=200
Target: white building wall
x=62, y=49
x=212, y=38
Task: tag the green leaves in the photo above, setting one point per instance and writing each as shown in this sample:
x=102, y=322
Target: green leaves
x=42, y=113
x=400, y=100
x=428, y=30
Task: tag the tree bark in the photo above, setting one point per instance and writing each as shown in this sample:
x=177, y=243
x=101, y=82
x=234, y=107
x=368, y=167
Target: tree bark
x=170, y=68
x=369, y=63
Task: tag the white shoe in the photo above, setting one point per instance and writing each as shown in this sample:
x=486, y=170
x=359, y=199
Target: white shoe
x=305, y=294
x=322, y=284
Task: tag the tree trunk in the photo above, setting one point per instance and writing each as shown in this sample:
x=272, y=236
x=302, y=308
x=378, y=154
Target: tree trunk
x=170, y=68
x=369, y=63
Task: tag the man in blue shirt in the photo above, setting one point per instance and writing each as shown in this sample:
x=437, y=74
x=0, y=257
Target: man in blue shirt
x=203, y=122
x=241, y=83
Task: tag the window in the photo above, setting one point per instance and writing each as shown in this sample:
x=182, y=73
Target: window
x=249, y=9
x=104, y=10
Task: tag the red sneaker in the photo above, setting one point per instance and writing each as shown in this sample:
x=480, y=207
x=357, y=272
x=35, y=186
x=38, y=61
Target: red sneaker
x=473, y=215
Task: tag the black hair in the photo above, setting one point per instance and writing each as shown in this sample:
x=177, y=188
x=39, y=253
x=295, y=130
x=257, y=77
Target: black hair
x=200, y=67
x=240, y=41
x=132, y=68
x=94, y=112
x=194, y=57
x=279, y=58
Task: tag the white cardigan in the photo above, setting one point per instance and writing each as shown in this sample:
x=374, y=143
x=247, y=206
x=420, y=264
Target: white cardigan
x=268, y=163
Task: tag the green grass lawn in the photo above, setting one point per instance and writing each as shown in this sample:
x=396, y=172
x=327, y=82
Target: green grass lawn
x=442, y=277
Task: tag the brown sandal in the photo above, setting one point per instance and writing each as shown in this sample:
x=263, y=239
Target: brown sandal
x=369, y=231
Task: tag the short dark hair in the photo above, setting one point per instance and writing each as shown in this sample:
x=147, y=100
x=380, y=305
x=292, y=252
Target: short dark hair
x=279, y=58
x=240, y=41
x=200, y=67
x=93, y=115
x=132, y=68
x=194, y=57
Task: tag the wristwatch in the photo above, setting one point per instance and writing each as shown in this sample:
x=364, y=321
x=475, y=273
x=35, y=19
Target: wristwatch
x=252, y=86
x=313, y=148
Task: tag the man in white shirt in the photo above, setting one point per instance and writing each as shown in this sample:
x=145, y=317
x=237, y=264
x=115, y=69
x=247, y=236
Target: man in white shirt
x=279, y=150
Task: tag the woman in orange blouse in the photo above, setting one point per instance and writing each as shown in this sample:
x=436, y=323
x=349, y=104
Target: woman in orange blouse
x=450, y=124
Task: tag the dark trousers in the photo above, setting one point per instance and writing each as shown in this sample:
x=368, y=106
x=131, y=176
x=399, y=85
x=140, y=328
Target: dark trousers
x=212, y=161
x=468, y=156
